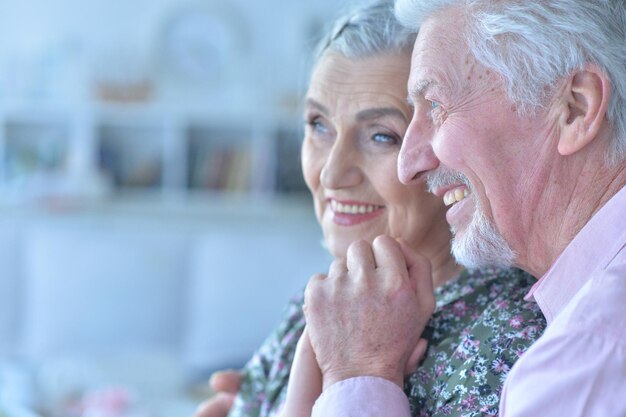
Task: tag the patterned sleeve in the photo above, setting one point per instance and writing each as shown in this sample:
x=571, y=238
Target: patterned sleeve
x=266, y=374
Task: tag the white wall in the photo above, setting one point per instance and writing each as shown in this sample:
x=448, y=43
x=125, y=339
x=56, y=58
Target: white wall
x=54, y=47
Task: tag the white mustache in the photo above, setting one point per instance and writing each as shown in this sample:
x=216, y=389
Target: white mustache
x=445, y=176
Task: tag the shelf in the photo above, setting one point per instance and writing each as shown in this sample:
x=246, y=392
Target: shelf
x=171, y=150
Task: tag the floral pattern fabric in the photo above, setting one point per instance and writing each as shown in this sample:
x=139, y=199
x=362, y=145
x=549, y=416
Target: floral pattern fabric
x=480, y=327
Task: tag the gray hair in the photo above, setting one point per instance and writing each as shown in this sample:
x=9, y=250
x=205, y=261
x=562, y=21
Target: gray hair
x=366, y=31
x=533, y=44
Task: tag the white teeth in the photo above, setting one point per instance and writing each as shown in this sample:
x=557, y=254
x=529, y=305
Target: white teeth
x=351, y=208
x=454, y=196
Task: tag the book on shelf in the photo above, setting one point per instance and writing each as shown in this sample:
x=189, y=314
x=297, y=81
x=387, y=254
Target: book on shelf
x=224, y=169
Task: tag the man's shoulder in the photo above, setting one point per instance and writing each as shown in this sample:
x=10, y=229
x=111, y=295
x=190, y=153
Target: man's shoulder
x=599, y=307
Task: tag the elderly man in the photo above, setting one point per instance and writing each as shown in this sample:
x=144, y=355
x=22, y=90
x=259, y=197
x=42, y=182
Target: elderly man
x=520, y=126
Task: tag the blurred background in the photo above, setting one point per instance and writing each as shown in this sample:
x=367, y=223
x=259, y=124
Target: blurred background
x=154, y=221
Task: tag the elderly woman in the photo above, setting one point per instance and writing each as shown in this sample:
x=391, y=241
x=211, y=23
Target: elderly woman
x=356, y=114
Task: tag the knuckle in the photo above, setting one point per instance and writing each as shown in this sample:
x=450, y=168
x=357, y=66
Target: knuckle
x=357, y=249
x=382, y=241
x=336, y=266
x=313, y=289
x=392, y=276
x=359, y=245
x=315, y=280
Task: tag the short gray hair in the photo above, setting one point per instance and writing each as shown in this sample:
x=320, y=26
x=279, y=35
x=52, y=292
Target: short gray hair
x=532, y=44
x=366, y=31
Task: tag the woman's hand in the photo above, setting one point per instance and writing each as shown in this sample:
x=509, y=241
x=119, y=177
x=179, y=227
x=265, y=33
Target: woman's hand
x=305, y=381
x=226, y=385
x=365, y=318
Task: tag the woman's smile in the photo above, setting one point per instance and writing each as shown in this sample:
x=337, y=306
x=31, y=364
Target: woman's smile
x=350, y=213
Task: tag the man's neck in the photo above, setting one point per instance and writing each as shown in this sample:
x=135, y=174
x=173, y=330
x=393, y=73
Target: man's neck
x=574, y=194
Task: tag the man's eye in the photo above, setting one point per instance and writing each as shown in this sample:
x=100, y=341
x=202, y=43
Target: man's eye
x=434, y=104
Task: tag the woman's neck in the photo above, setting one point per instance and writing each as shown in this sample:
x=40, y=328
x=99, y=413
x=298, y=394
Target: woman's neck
x=444, y=267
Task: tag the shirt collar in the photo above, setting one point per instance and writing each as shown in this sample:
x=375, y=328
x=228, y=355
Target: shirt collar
x=584, y=254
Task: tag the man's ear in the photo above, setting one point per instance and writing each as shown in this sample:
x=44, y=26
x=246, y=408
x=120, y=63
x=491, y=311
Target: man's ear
x=585, y=100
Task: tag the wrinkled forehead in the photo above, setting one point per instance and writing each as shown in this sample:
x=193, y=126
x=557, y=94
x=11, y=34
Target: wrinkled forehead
x=441, y=54
x=376, y=78
x=379, y=67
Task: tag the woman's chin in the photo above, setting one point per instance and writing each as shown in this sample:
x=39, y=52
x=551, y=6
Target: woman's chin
x=338, y=246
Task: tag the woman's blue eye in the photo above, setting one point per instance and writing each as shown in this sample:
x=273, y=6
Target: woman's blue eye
x=318, y=127
x=434, y=104
x=382, y=138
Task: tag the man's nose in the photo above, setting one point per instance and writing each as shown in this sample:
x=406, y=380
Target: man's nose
x=416, y=156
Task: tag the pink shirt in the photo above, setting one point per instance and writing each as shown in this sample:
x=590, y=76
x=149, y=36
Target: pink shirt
x=577, y=368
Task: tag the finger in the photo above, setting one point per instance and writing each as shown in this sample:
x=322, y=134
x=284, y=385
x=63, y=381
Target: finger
x=217, y=406
x=420, y=276
x=305, y=380
x=389, y=256
x=360, y=257
x=337, y=268
x=312, y=291
x=416, y=357
x=226, y=381
x=305, y=353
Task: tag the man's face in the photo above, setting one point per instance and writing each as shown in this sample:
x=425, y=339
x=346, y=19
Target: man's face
x=484, y=159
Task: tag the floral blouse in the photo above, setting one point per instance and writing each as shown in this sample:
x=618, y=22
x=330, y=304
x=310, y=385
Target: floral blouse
x=480, y=327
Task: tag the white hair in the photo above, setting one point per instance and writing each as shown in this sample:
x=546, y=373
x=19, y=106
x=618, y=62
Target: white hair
x=368, y=30
x=534, y=43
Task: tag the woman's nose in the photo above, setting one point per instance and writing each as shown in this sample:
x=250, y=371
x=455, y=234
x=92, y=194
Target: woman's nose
x=416, y=157
x=341, y=168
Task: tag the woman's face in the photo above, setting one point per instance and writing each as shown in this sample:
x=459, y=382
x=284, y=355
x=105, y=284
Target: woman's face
x=356, y=115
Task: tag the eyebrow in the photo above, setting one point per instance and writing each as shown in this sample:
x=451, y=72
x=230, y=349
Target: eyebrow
x=418, y=89
x=367, y=114
x=377, y=113
x=312, y=103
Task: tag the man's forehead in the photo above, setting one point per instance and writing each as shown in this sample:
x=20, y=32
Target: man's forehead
x=439, y=35
x=440, y=55
x=426, y=70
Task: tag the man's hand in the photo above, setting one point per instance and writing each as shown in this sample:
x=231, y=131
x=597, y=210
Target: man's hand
x=365, y=318
x=226, y=385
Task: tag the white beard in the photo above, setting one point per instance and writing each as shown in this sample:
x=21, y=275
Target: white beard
x=481, y=245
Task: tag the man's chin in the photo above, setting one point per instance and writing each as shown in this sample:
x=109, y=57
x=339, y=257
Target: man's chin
x=480, y=245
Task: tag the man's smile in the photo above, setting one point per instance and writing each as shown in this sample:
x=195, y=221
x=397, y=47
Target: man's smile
x=455, y=195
